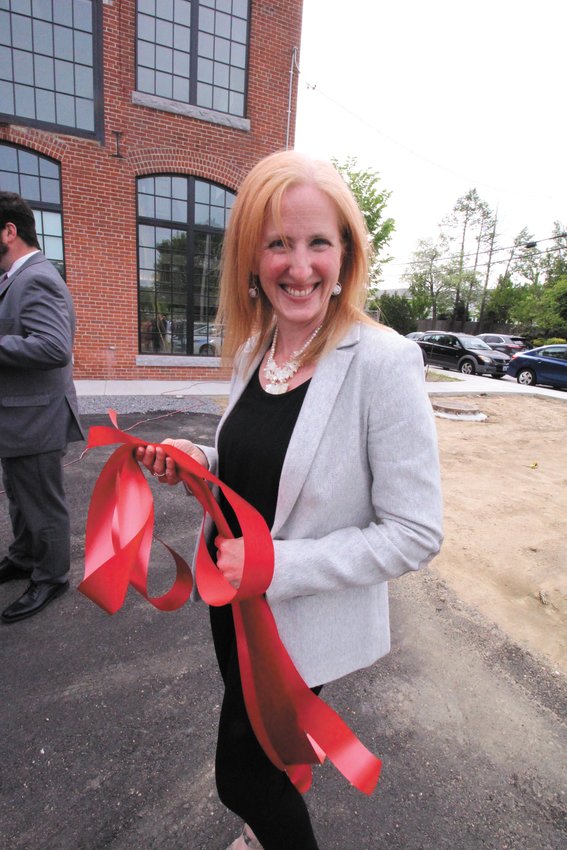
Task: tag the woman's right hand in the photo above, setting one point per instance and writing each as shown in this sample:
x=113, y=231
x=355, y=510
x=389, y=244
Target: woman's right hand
x=164, y=468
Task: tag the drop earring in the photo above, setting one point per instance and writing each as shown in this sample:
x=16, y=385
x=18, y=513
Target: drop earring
x=337, y=289
x=253, y=291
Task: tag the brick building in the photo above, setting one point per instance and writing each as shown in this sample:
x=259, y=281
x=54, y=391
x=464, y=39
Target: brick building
x=128, y=126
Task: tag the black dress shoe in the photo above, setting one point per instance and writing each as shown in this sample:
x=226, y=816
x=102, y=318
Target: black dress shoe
x=36, y=597
x=10, y=572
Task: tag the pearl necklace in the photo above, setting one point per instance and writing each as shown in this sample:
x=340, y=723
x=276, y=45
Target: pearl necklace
x=278, y=377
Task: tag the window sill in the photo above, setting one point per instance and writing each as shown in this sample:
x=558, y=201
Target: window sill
x=169, y=360
x=153, y=101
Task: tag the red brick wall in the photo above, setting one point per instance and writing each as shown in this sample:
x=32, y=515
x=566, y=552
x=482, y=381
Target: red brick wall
x=99, y=203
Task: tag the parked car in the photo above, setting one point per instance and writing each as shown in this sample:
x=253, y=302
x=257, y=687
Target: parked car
x=415, y=335
x=504, y=342
x=207, y=340
x=545, y=365
x=464, y=352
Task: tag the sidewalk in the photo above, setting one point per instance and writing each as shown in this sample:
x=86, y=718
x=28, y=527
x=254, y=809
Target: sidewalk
x=457, y=384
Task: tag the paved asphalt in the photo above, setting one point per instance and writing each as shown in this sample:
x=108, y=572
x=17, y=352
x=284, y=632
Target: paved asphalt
x=108, y=723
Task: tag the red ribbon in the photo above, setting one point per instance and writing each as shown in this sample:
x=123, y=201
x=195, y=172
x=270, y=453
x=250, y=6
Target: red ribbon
x=294, y=727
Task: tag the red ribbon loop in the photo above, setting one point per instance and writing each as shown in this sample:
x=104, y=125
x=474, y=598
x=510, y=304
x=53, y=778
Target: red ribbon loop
x=294, y=727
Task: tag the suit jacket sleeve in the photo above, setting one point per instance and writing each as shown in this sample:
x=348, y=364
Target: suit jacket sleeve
x=45, y=338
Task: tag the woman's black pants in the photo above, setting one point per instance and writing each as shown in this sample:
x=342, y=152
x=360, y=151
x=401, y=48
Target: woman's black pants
x=247, y=781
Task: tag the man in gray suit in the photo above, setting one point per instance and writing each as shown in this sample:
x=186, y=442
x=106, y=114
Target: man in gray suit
x=38, y=410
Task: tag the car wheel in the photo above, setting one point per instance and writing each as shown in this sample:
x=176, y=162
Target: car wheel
x=526, y=377
x=467, y=367
x=207, y=349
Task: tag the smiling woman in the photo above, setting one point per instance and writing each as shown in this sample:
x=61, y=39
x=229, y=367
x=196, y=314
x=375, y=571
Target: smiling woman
x=330, y=435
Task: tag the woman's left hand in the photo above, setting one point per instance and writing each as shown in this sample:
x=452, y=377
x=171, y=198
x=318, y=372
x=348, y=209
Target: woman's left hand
x=230, y=558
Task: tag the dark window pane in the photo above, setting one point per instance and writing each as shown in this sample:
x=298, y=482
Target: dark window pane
x=6, y=63
x=182, y=38
x=222, y=25
x=146, y=207
x=44, y=71
x=42, y=38
x=7, y=98
x=83, y=48
x=48, y=169
x=28, y=163
x=49, y=189
x=239, y=29
x=237, y=80
x=82, y=14
x=148, y=6
x=238, y=56
x=85, y=114
x=163, y=208
x=146, y=28
x=181, y=64
x=222, y=50
x=65, y=109
x=182, y=12
x=146, y=54
x=164, y=85
x=21, y=32
x=146, y=80
x=205, y=70
x=9, y=182
x=220, y=100
x=206, y=20
x=201, y=214
x=181, y=89
x=221, y=75
x=63, y=43
x=164, y=9
x=64, y=77
x=29, y=187
x=236, y=104
x=45, y=106
x=204, y=95
x=202, y=192
x=164, y=59
x=164, y=33
x=21, y=6
x=9, y=158
x=42, y=9
x=206, y=45
x=84, y=81
x=25, y=101
x=23, y=67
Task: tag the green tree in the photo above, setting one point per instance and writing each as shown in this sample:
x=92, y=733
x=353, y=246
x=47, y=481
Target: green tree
x=372, y=200
x=396, y=312
x=429, y=278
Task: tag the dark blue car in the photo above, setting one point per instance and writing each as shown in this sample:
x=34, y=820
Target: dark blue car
x=545, y=365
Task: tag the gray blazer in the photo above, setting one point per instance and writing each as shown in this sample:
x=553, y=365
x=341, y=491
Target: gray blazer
x=38, y=403
x=359, y=501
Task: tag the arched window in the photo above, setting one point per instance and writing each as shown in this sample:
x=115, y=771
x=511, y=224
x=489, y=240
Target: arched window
x=38, y=180
x=181, y=223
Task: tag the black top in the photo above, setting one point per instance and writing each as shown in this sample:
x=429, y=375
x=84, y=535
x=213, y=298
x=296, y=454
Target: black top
x=252, y=446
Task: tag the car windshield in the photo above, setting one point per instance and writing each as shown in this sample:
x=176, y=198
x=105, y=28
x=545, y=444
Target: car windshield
x=474, y=342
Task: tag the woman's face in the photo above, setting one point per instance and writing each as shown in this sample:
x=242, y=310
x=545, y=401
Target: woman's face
x=299, y=262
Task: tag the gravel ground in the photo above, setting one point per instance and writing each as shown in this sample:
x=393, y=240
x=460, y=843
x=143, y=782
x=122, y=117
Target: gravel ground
x=146, y=403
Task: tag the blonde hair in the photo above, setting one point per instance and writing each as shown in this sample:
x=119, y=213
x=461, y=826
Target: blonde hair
x=261, y=194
